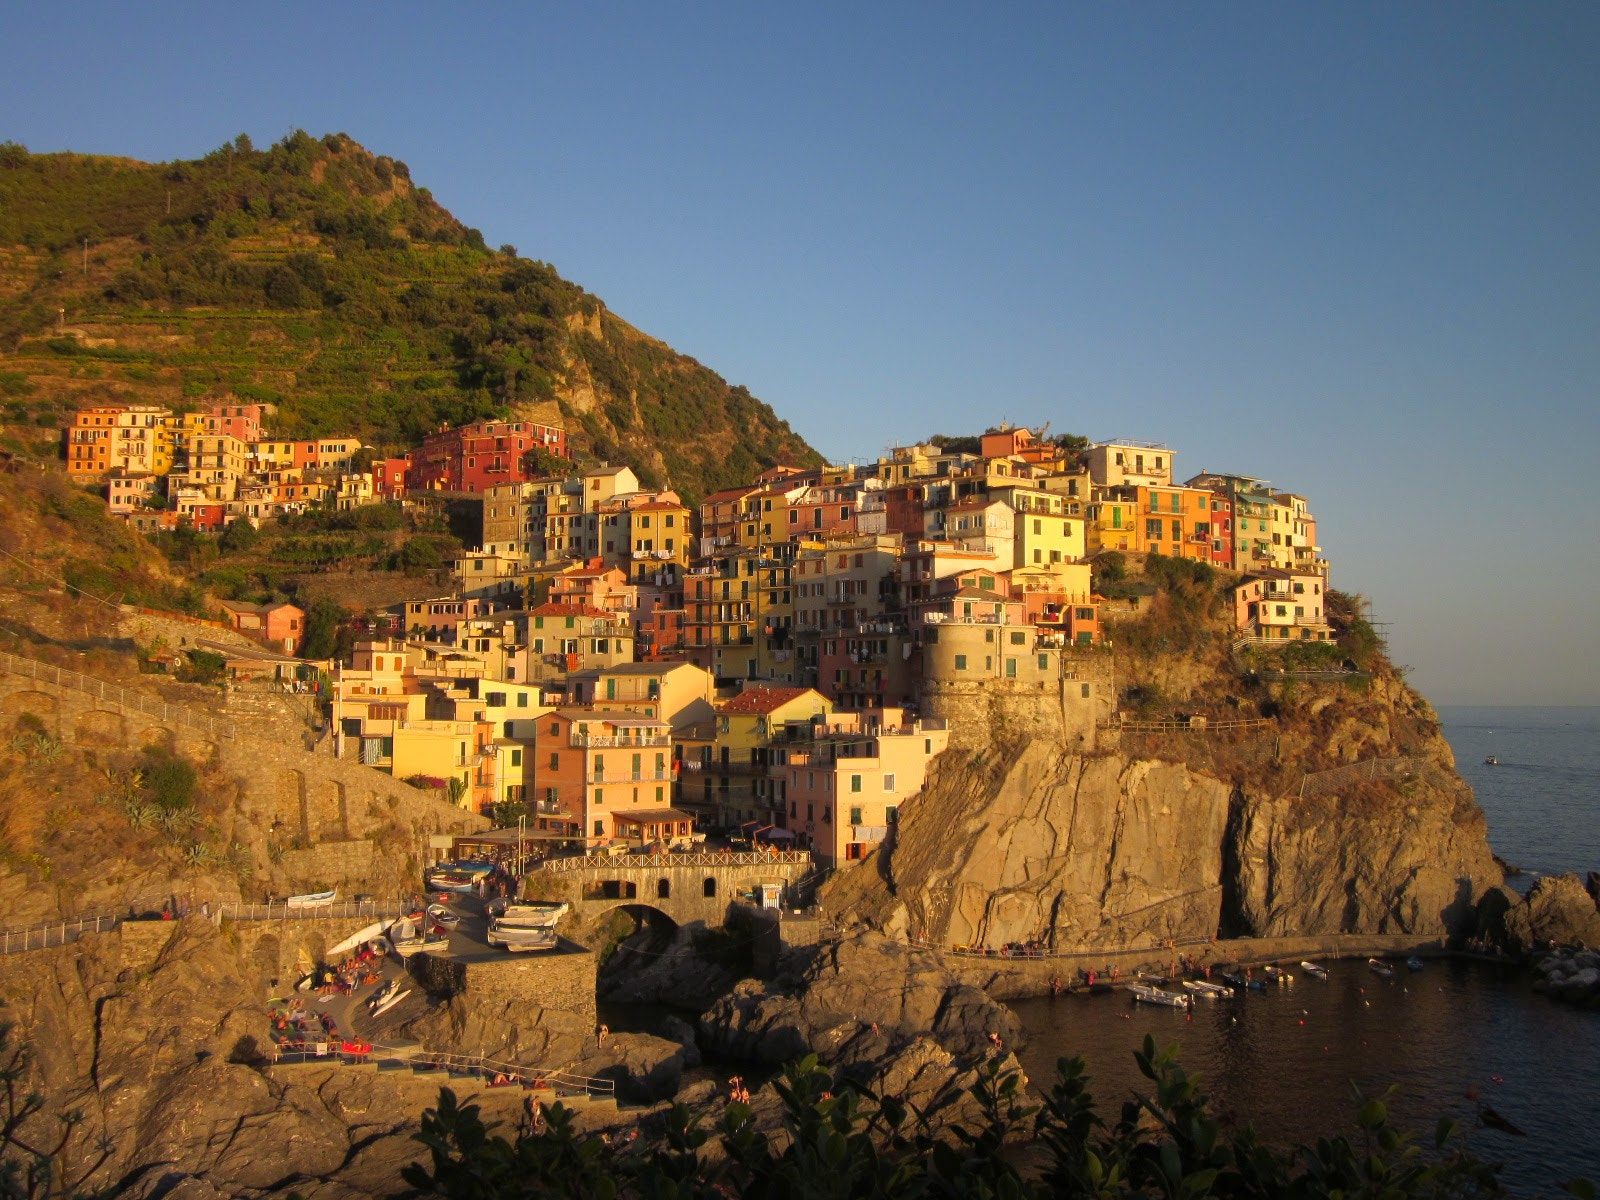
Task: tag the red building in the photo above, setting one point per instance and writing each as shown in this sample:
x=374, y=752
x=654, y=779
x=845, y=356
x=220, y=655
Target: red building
x=475, y=457
x=389, y=477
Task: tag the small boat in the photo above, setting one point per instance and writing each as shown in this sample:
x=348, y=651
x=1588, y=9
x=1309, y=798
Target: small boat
x=1315, y=970
x=539, y=915
x=1210, y=991
x=312, y=899
x=1491, y=761
x=1414, y=963
x=1276, y=975
x=442, y=915
x=1142, y=994
x=383, y=994
x=390, y=1002
x=1240, y=983
x=1378, y=967
x=518, y=938
x=460, y=876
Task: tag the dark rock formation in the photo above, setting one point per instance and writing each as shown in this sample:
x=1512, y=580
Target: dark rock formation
x=1558, y=909
x=886, y=1014
x=1034, y=841
x=644, y=1068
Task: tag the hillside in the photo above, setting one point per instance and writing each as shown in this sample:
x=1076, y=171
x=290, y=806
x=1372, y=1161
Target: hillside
x=316, y=276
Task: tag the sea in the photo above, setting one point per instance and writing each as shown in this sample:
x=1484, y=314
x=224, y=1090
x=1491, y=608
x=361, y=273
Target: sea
x=1439, y=1042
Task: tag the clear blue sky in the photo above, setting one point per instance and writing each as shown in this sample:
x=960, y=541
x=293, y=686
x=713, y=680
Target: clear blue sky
x=1351, y=248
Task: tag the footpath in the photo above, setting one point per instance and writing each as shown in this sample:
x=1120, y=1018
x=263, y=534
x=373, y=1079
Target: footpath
x=1019, y=976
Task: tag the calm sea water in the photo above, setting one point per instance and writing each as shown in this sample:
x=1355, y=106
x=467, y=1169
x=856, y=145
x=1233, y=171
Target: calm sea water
x=1543, y=799
x=1285, y=1060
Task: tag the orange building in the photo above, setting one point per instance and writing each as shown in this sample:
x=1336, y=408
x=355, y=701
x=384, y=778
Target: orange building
x=610, y=774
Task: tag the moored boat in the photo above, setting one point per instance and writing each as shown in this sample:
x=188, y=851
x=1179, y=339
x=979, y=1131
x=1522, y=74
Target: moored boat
x=1414, y=963
x=1210, y=991
x=1144, y=994
x=312, y=899
x=1378, y=967
x=1240, y=982
x=1315, y=970
x=1276, y=975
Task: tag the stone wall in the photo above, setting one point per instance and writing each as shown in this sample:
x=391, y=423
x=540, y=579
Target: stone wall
x=701, y=892
x=1062, y=709
x=309, y=821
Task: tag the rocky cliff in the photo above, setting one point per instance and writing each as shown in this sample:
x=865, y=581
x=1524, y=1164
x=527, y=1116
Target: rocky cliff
x=1341, y=814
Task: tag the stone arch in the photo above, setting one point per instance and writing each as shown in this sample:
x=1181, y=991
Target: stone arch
x=265, y=957
x=709, y=888
x=663, y=889
x=659, y=920
x=329, y=812
x=39, y=704
x=290, y=803
x=98, y=726
x=156, y=737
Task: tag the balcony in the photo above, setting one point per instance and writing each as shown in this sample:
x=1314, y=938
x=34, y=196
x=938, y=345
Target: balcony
x=624, y=742
x=631, y=776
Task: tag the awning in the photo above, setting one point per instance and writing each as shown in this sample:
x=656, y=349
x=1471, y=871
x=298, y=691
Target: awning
x=651, y=816
x=777, y=835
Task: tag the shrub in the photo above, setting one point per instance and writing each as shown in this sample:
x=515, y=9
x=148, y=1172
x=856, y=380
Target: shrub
x=169, y=781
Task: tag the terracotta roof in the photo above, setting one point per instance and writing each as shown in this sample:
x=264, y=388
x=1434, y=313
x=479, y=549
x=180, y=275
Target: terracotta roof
x=760, y=700
x=569, y=610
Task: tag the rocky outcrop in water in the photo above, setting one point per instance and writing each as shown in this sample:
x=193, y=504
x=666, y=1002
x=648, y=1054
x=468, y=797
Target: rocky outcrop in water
x=1191, y=837
x=886, y=1014
x=1558, y=910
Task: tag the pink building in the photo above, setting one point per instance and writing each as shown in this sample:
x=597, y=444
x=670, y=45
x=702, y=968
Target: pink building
x=844, y=789
x=281, y=626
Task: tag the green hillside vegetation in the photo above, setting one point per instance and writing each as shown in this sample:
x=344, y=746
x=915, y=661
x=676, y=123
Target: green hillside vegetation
x=315, y=276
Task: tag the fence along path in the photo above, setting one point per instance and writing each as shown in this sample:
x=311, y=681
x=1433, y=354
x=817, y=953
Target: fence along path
x=113, y=693
x=1318, y=783
x=419, y=1058
x=59, y=933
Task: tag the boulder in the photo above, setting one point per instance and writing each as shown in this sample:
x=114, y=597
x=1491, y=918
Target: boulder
x=643, y=1067
x=1557, y=909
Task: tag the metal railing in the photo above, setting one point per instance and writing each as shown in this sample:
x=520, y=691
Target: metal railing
x=113, y=693
x=60, y=933
x=1317, y=783
x=693, y=858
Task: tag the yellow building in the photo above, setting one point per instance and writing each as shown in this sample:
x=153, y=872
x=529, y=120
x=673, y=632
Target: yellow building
x=733, y=764
x=1112, y=522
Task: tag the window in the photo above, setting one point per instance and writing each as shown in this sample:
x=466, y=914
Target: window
x=1011, y=668
x=1018, y=638
x=599, y=828
x=555, y=762
x=495, y=699
x=891, y=814
x=888, y=782
x=855, y=815
x=516, y=758
x=1044, y=662
x=599, y=797
x=855, y=783
x=961, y=662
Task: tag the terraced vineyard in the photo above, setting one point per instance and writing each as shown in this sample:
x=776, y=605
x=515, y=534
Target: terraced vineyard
x=316, y=277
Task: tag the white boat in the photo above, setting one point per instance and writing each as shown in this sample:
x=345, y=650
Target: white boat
x=517, y=938
x=382, y=995
x=1277, y=975
x=442, y=915
x=312, y=899
x=1143, y=994
x=390, y=1002
x=1209, y=991
x=1315, y=970
x=1378, y=967
x=533, y=916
